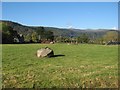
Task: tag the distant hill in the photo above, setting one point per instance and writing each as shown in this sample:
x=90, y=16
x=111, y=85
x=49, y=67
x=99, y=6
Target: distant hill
x=22, y=29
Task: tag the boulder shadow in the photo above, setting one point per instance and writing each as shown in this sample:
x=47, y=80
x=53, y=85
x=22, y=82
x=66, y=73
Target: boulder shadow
x=59, y=55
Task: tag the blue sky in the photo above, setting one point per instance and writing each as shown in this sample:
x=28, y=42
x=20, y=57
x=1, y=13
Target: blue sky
x=82, y=15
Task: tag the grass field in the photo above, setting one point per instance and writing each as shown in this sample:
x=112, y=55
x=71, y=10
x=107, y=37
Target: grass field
x=76, y=66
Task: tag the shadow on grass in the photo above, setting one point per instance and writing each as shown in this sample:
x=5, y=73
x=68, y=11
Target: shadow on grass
x=59, y=55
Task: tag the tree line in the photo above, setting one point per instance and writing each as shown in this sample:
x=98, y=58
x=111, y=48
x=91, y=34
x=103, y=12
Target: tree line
x=9, y=35
x=40, y=35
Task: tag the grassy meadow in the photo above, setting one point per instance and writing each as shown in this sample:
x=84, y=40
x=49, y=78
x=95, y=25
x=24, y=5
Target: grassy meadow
x=75, y=66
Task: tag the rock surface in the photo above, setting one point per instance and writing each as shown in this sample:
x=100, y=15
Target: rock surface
x=45, y=52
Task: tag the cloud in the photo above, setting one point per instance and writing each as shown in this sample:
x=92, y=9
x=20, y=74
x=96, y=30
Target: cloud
x=115, y=28
x=70, y=26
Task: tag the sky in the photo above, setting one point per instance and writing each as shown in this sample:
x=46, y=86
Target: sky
x=80, y=15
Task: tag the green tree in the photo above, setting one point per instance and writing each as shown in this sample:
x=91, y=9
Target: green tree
x=40, y=31
x=49, y=35
x=28, y=38
x=34, y=37
x=83, y=39
x=8, y=34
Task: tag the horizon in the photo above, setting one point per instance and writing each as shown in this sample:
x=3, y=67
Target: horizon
x=80, y=15
x=62, y=27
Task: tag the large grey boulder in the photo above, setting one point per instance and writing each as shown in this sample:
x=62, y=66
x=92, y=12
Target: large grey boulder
x=45, y=52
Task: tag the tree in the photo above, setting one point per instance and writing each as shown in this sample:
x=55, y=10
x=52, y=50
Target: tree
x=8, y=34
x=99, y=41
x=83, y=39
x=79, y=39
x=34, y=37
x=28, y=38
x=21, y=38
x=111, y=36
x=49, y=35
x=40, y=31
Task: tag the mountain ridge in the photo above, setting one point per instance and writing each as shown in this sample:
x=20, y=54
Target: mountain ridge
x=24, y=29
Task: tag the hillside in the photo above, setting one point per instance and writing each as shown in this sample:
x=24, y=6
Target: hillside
x=57, y=31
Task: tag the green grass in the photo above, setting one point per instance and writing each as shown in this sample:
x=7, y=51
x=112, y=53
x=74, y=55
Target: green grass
x=83, y=66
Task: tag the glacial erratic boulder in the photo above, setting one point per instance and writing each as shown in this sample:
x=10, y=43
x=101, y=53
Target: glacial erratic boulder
x=45, y=52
